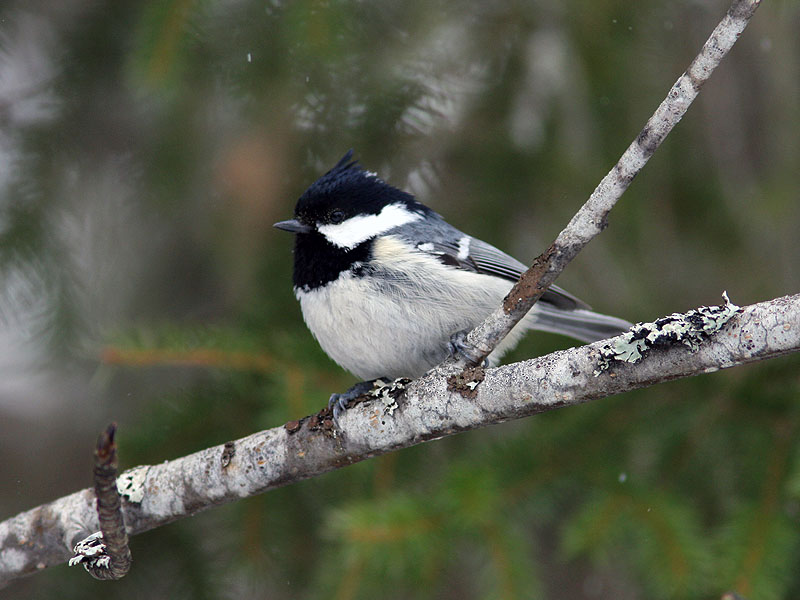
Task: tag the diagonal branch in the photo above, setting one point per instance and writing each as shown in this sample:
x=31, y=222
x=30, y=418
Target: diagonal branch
x=429, y=408
x=592, y=217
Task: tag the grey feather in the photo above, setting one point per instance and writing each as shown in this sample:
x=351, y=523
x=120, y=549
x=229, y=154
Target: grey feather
x=439, y=238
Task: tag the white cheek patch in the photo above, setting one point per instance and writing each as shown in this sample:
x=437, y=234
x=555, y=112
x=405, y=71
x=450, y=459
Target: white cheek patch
x=355, y=230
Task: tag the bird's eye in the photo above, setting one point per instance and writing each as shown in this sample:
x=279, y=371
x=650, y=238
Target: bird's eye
x=337, y=216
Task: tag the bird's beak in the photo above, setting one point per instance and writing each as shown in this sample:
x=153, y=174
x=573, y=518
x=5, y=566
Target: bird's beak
x=294, y=226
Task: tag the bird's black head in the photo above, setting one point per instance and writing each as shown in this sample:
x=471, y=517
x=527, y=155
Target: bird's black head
x=347, y=191
x=337, y=218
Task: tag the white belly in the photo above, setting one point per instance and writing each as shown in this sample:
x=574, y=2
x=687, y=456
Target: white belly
x=399, y=323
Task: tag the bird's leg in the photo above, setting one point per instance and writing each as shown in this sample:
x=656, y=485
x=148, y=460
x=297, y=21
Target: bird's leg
x=460, y=348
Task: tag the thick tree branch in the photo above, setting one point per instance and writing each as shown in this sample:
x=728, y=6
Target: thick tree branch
x=592, y=217
x=429, y=408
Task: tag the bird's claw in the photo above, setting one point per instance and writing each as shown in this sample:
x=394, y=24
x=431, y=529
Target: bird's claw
x=337, y=403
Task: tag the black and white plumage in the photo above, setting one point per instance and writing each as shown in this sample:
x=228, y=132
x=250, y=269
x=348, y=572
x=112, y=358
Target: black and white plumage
x=384, y=281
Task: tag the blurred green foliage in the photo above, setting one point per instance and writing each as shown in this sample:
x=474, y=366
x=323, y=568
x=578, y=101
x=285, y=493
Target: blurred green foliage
x=139, y=267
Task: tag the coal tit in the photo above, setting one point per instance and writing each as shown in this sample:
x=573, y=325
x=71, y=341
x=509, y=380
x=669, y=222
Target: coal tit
x=384, y=282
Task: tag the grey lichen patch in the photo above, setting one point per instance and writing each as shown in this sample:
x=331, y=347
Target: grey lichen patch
x=130, y=484
x=388, y=389
x=689, y=329
x=388, y=392
x=390, y=408
x=91, y=552
x=466, y=383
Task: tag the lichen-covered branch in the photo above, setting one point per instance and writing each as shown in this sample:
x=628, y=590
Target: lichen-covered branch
x=592, y=217
x=402, y=415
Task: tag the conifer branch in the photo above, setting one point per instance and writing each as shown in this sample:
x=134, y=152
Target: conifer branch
x=399, y=416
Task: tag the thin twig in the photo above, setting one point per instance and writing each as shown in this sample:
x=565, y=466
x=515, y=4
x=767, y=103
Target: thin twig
x=592, y=218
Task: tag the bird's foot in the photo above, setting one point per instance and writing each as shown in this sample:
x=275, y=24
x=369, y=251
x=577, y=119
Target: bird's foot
x=338, y=402
x=460, y=348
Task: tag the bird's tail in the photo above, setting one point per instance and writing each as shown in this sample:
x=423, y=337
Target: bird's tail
x=580, y=324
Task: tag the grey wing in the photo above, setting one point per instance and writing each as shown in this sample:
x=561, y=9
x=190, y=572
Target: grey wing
x=496, y=262
x=462, y=251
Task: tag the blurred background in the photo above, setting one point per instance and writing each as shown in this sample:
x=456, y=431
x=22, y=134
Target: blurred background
x=147, y=147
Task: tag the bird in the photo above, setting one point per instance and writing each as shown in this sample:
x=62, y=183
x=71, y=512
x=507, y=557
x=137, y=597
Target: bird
x=389, y=288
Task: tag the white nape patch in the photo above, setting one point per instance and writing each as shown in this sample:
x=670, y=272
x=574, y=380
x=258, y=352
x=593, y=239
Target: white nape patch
x=426, y=247
x=355, y=230
x=463, y=248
